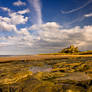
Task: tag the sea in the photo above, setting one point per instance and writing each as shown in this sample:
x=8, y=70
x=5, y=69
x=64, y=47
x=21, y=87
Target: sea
x=7, y=55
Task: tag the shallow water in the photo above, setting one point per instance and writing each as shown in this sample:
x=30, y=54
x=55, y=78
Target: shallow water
x=36, y=69
x=77, y=76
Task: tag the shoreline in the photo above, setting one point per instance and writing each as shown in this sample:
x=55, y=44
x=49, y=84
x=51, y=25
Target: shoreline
x=40, y=57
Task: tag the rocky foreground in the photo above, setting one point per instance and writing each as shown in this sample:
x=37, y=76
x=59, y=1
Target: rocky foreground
x=46, y=73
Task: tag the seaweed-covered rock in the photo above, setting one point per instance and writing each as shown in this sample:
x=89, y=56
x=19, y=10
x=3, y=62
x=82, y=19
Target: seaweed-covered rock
x=45, y=87
x=90, y=89
x=75, y=89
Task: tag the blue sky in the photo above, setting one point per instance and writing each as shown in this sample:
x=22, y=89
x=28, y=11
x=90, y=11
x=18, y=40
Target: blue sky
x=43, y=26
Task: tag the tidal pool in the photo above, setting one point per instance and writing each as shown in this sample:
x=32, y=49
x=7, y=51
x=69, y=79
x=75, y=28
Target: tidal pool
x=36, y=69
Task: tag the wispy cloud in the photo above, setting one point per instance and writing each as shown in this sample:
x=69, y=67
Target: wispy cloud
x=5, y=9
x=23, y=11
x=19, y=3
x=79, y=19
x=37, y=7
x=88, y=15
x=74, y=10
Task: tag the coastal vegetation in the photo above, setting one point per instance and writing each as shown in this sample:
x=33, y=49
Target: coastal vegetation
x=71, y=50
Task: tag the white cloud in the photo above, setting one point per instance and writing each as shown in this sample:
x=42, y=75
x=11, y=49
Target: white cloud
x=17, y=18
x=24, y=11
x=47, y=26
x=49, y=36
x=19, y=3
x=22, y=39
x=9, y=23
x=5, y=9
x=88, y=15
x=4, y=26
x=52, y=35
x=5, y=19
x=24, y=32
x=15, y=38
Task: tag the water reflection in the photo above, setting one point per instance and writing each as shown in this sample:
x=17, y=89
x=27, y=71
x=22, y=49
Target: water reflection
x=36, y=69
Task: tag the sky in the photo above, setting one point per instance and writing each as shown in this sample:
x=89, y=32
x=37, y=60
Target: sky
x=44, y=26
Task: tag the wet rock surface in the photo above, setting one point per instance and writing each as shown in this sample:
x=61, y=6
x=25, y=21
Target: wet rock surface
x=54, y=75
